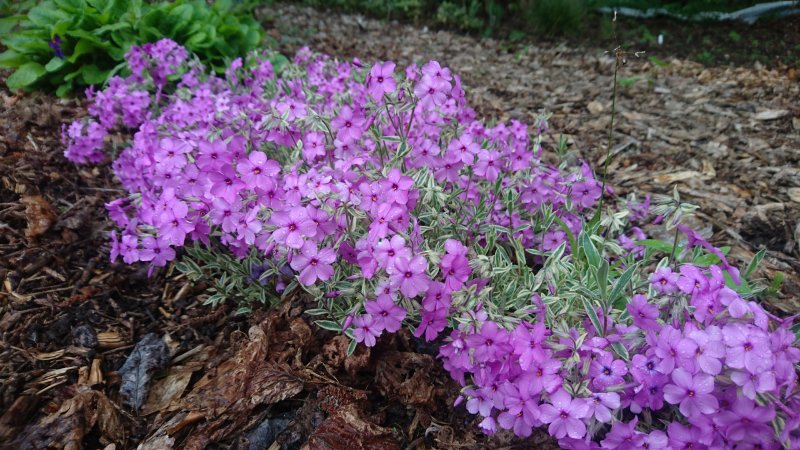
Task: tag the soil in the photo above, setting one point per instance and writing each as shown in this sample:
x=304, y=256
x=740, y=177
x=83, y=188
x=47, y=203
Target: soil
x=727, y=137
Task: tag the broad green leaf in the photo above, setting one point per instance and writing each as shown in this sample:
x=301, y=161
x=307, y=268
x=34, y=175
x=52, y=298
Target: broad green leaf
x=26, y=75
x=45, y=16
x=10, y=59
x=64, y=89
x=93, y=75
x=655, y=244
x=83, y=47
x=55, y=64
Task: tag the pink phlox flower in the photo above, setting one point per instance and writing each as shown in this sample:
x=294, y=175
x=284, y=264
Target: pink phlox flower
x=692, y=279
x=431, y=324
x=644, y=314
x=545, y=375
x=488, y=165
x=745, y=417
x=322, y=221
x=601, y=405
x=365, y=330
x=754, y=384
x=585, y=193
x=410, y=276
x=522, y=410
x=396, y=187
x=157, y=251
x=226, y=214
x=386, y=314
x=478, y=402
x=384, y=216
x=685, y=438
x=380, y=80
x=490, y=342
x=747, y=348
x=705, y=347
x=465, y=147
x=212, y=155
x=313, y=146
x=257, y=171
x=225, y=183
x=292, y=227
x=436, y=297
x=694, y=393
x=664, y=281
x=349, y=124
x=565, y=415
x=313, y=263
x=607, y=371
x=528, y=343
x=666, y=347
x=623, y=436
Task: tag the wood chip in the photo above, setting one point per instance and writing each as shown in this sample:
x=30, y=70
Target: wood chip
x=772, y=114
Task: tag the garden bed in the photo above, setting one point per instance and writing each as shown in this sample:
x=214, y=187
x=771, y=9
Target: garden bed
x=727, y=136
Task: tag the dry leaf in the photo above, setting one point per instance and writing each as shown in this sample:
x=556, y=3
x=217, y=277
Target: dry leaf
x=407, y=377
x=772, y=114
x=68, y=426
x=348, y=430
x=39, y=214
x=595, y=107
x=149, y=355
x=167, y=390
x=794, y=194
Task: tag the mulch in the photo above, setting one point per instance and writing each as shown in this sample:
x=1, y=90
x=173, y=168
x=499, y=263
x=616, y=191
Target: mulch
x=727, y=137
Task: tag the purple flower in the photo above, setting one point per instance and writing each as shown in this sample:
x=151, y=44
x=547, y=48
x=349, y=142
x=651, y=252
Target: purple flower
x=386, y=213
x=601, y=404
x=348, y=124
x=705, y=347
x=747, y=348
x=565, y=415
x=55, y=44
x=754, y=384
x=607, y=371
x=386, y=315
x=257, y=171
x=528, y=344
x=432, y=323
x=156, y=251
x=745, y=417
x=586, y=193
x=692, y=279
x=623, y=436
x=380, y=80
x=292, y=227
x=365, y=330
x=313, y=264
x=396, y=187
x=522, y=410
x=693, y=393
x=645, y=315
x=664, y=281
x=685, y=438
x=387, y=251
x=409, y=275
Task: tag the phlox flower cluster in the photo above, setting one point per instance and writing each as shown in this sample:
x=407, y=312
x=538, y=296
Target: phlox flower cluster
x=377, y=190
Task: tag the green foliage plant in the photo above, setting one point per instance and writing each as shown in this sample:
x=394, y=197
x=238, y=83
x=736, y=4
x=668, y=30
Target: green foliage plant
x=62, y=45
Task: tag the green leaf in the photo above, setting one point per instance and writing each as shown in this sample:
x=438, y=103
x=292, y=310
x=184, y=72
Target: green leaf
x=593, y=316
x=26, y=75
x=655, y=244
x=351, y=348
x=278, y=62
x=10, y=59
x=620, y=350
x=754, y=263
x=55, y=64
x=329, y=325
x=45, y=16
x=592, y=256
x=93, y=75
x=602, y=279
x=64, y=89
x=621, y=282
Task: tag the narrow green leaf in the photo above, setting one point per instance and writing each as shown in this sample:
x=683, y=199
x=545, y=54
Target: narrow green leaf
x=621, y=282
x=351, y=348
x=602, y=279
x=329, y=325
x=620, y=350
x=592, y=255
x=656, y=244
x=754, y=263
x=593, y=316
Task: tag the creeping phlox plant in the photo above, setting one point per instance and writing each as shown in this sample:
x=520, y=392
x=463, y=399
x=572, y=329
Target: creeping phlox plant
x=377, y=191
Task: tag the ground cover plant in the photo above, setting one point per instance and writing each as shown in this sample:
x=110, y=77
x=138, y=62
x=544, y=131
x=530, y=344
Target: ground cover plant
x=61, y=45
x=377, y=191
